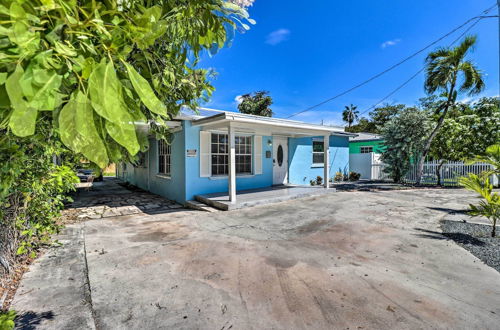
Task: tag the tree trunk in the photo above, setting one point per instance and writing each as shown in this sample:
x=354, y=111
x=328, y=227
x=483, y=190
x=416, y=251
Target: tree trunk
x=493, y=230
x=438, y=173
x=431, y=137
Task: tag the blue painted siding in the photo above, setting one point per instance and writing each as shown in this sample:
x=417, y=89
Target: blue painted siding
x=174, y=187
x=185, y=181
x=301, y=170
x=196, y=185
x=147, y=177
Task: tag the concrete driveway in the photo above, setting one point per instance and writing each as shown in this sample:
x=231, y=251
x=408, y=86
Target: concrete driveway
x=350, y=260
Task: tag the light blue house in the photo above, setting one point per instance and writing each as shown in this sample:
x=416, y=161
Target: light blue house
x=229, y=152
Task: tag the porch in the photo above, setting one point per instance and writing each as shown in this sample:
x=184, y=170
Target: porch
x=280, y=132
x=254, y=197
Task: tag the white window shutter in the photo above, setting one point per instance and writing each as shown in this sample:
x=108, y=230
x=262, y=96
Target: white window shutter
x=257, y=154
x=205, y=139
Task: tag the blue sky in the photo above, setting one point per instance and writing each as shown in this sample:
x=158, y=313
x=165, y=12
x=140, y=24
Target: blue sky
x=304, y=52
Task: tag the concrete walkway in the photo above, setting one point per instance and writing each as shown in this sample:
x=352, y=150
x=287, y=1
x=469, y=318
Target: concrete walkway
x=351, y=260
x=111, y=198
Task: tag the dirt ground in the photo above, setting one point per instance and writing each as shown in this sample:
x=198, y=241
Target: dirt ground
x=348, y=260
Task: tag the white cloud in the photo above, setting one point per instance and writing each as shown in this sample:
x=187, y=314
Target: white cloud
x=238, y=99
x=390, y=43
x=277, y=36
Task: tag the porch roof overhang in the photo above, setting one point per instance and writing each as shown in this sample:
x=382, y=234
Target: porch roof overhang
x=244, y=123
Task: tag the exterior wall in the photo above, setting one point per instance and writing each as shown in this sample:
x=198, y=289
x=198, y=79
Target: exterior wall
x=302, y=171
x=362, y=164
x=147, y=177
x=185, y=181
x=196, y=185
x=173, y=187
x=355, y=147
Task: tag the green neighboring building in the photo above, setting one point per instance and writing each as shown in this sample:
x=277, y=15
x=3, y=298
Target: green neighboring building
x=366, y=143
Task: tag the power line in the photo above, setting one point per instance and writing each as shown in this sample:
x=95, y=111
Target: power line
x=393, y=66
x=419, y=71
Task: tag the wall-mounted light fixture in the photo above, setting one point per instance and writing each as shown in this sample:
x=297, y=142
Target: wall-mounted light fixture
x=269, y=143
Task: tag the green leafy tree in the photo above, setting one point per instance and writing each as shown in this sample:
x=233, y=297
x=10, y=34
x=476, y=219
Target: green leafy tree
x=465, y=132
x=382, y=115
x=76, y=77
x=377, y=119
x=100, y=67
x=404, y=138
x=257, y=104
x=447, y=144
x=450, y=73
x=489, y=206
x=350, y=114
x=363, y=125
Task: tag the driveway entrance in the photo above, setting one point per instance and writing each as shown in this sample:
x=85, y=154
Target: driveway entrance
x=357, y=260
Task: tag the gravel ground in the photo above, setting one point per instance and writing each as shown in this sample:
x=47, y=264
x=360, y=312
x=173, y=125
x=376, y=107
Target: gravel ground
x=476, y=239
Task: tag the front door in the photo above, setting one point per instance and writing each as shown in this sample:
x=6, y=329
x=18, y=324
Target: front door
x=280, y=160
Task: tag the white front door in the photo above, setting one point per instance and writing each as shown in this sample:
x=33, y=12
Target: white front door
x=280, y=160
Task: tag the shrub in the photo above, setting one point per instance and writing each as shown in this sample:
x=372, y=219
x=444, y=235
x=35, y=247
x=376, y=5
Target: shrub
x=354, y=176
x=319, y=180
x=7, y=320
x=32, y=192
x=338, y=177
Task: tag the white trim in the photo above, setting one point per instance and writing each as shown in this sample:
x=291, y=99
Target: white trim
x=222, y=177
x=326, y=168
x=162, y=176
x=320, y=164
x=268, y=121
x=205, y=154
x=231, y=178
x=257, y=154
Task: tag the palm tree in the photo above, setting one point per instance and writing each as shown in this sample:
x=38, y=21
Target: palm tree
x=350, y=114
x=449, y=72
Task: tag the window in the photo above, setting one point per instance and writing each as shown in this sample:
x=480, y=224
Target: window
x=366, y=150
x=220, y=154
x=318, y=152
x=243, y=146
x=164, y=158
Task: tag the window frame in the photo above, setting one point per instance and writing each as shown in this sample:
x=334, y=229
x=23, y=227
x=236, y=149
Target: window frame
x=243, y=148
x=165, y=154
x=317, y=153
x=362, y=149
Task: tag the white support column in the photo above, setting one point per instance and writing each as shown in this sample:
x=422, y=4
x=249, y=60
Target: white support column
x=232, y=165
x=326, y=148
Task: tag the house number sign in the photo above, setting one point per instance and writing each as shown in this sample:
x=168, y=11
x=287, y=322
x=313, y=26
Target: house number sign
x=191, y=152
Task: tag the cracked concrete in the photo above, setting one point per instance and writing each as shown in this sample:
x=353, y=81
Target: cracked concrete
x=357, y=260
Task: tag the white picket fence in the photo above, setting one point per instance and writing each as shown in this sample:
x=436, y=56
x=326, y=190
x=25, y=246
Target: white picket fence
x=450, y=172
x=378, y=173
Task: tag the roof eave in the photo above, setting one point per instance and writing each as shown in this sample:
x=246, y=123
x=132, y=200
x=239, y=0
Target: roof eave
x=230, y=117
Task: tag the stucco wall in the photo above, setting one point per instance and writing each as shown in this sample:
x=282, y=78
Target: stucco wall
x=355, y=147
x=196, y=185
x=173, y=187
x=147, y=177
x=301, y=169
